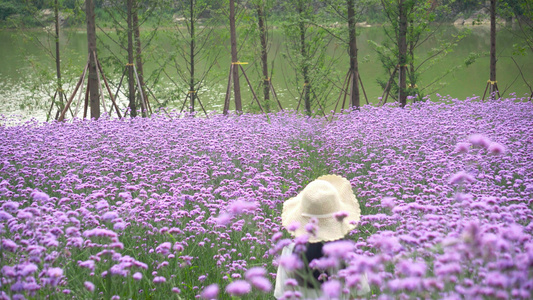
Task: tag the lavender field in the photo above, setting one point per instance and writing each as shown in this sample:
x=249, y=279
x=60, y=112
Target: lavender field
x=154, y=208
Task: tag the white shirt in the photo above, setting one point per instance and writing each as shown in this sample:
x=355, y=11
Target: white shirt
x=307, y=293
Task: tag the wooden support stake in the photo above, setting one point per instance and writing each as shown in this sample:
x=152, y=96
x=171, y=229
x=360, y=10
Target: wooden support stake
x=343, y=91
x=62, y=116
x=300, y=100
x=201, y=105
x=346, y=93
x=101, y=91
x=86, y=106
x=143, y=103
x=275, y=95
x=387, y=88
x=51, y=106
x=362, y=87
x=113, y=103
x=184, y=102
x=251, y=89
x=228, y=91
x=79, y=95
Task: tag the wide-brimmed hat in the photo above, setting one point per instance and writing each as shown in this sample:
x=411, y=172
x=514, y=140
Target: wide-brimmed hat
x=323, y=199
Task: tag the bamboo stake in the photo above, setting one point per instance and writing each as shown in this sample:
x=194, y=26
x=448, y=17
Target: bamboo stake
x=320, y=106
x=387, y=87
x=51, y=106
x=362, y=87
x=228, y=91
x=150, y=91
x=343, y=90
x=143, y=104
x=79, y=95
x=62, y=116
x=184, y=101
x=86, y=106
x=120, y=83
x=201, y=105
x=300, y=100
x=346, y=92
x=251, y=89
x=275, y=95
x=100, y=86
x=113, y=103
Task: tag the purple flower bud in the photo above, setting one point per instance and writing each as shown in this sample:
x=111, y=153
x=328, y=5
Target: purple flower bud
x=238, y=288
x=210, y=292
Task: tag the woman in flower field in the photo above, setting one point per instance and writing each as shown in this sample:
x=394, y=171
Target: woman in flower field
x=329, y=210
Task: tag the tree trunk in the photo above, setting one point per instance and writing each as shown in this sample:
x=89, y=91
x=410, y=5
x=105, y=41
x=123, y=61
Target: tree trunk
x=93, y=79
x=131, y=75
x=138, y=56
x=234, y=58
x=303, y=53
x=493, y=46
x=402, y=53
x=192, y=90
x=264, y=55
x=354, y=69
x=58, y=59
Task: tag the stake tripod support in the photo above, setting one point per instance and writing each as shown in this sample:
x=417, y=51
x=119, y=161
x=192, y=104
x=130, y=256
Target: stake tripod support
x=228, y=89
x=81, y=81
x=493, y=84
x=349, y=90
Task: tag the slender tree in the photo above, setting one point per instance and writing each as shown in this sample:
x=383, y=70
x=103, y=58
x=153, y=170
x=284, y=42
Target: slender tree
x=493, y=86
x=196, y=47
x=354, y=70
x=234, y=57
x=127, y=17
x=94, y=94
x=261, y=7
x=307, y=44
x=408, y=28
x=402, y=50
x=138, y=53
x=60, y=92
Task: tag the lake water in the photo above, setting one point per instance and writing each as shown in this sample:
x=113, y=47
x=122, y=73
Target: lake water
x=27, y=71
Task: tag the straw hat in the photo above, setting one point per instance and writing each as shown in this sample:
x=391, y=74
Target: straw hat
x=321, y=199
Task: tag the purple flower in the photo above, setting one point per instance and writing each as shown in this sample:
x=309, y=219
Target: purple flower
x=479, y=140
x=238, y=288
x=28, y=269
x=159, y=279
x=223, y=219
x=332, y=289
x=210, y=292
x=291, y=262
x=55, y=272
x=338, y=249
x=293, y=226
x=388, y=202
x=340, y=216
x=460, y=177
x=4, y=216
x=10, y=206
x=261, y=283
x=238, y=207
x=255, y=272
x=462, y=147
x=137, y=276
x=496, y=148
x=110, y=216
x=40, y=197
x=9, y=245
